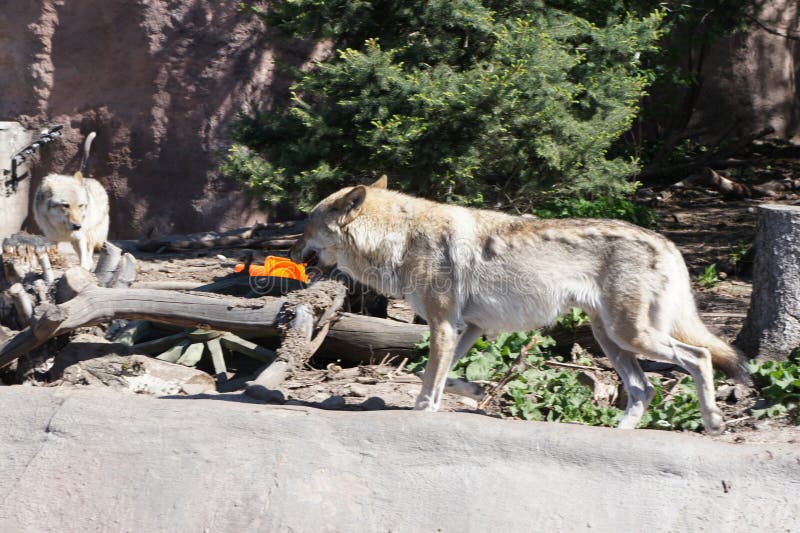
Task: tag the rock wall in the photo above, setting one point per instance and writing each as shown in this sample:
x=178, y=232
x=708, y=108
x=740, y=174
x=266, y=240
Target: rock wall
x=160, y=83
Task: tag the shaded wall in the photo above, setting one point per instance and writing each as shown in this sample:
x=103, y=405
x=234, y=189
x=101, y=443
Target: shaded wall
x=160, y=82
x=751, y=79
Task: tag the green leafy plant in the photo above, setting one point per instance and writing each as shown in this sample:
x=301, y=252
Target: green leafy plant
x=601, y=207
x=778, y=383
x=710, y=277
x=574, y=319
x=738, y=253
x=474, y=102
x=681, y=411
x=542, y=392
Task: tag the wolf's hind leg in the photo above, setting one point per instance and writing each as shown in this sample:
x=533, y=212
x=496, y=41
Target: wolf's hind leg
x=696, y=360
x=460, y=386
x=640, y=391
x=466, y=341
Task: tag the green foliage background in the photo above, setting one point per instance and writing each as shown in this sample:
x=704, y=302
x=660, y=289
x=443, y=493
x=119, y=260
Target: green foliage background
x=468, y=101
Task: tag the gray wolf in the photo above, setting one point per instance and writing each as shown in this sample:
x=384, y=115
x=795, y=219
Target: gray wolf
x=470, y=272
x=73, y=209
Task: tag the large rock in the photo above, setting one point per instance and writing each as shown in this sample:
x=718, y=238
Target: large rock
x=98, y=461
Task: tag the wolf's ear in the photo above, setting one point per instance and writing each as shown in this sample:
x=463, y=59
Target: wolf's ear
x=350, y=204
x=78, y=176
x=381, y=183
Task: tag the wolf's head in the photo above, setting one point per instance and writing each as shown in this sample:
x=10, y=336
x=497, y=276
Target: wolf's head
x=63, y=200
x=327, y=221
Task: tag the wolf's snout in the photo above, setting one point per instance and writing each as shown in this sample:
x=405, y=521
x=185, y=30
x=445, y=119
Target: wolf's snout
x=74, y=227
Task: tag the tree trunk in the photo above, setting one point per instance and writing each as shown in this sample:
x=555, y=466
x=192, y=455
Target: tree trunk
x=772, y=327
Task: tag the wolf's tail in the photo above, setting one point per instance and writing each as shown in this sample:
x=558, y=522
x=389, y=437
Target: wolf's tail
x=87, y=145
x=688, y=328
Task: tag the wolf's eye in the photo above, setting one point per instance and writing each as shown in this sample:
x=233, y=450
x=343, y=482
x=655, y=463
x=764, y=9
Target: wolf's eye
x=82, y=206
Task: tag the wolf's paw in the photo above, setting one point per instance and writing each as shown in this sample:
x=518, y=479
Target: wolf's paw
x=714, y=424
x=464, y=388
x=425, y=403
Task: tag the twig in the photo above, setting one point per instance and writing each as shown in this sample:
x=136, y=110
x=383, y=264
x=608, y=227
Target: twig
x=735, y=420
x=718, y=159
x=400, y=367
x=571, y=365
x=516, y=368
x=773, y=31
x=316, y=342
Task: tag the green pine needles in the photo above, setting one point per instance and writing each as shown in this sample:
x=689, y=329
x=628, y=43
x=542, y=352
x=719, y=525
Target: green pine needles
x=466, y=101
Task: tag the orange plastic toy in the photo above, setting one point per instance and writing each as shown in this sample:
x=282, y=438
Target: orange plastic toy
x=279, y=267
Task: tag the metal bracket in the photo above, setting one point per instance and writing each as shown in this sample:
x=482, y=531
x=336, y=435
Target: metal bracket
x=11, y=178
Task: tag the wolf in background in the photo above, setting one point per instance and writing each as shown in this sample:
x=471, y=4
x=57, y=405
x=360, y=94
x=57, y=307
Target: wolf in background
x=469, y=272
x=73, y=209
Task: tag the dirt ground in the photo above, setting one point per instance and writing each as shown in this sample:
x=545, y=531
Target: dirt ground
x=706, y=226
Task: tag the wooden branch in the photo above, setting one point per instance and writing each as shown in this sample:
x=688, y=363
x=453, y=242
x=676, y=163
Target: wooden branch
x=245, y=347
x=40, y=289
x=718, y=159
x=236, y=284
x=168, y=285
x=274, y=235
x=22, y=303
x=107, y=263
x=74, y=281
x=218, y=360
x=364, y=339
x=95, y=305
x=714, y=180
x=125, y=274
x=47, y=269
x=156, y=346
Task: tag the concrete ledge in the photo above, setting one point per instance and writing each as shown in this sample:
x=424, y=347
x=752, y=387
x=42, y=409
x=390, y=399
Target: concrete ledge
x=95, y=460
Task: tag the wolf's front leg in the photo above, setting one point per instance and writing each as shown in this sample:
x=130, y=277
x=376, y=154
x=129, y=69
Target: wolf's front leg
x=84, y=253
x=443, y=340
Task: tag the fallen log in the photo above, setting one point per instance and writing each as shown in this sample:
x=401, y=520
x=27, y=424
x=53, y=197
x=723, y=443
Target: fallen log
x=95, y=305
x=364, y=339
x=274, y=235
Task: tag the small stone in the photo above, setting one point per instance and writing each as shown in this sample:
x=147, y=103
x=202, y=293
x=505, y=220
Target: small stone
x=373, y=404
x=469, y=403
x=724, y=392
x=195, y=388
x=334, y=402
x=259, y=392
x=357, y=389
